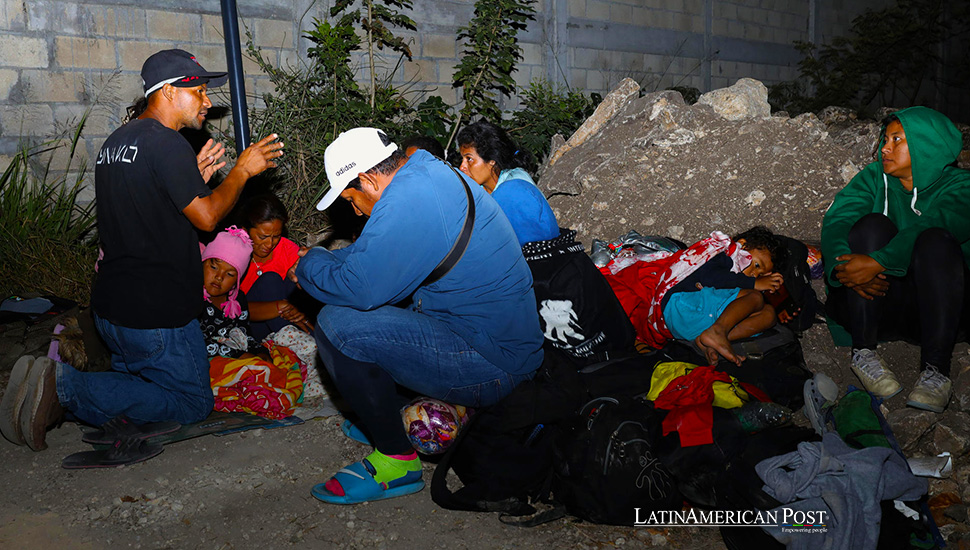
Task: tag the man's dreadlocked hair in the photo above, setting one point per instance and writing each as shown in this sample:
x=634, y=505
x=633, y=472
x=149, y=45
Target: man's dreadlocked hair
x=760, y=236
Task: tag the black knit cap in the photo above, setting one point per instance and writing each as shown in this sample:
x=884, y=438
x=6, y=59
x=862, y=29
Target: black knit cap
x=178, y=68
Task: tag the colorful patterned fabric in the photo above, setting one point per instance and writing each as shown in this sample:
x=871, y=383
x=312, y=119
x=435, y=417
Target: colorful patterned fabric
x=642, y=286
x=253, y=385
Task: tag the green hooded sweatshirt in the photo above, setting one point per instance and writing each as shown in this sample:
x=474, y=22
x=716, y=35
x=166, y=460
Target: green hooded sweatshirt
x=940, y=196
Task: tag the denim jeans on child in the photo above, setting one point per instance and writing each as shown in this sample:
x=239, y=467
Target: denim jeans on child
x=368, y=353
x=156, y=375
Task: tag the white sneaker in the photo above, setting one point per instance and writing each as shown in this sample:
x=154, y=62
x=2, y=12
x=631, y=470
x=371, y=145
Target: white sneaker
x=932, y=391
x=874, y=374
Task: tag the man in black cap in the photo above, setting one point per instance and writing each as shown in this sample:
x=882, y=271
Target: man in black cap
x=151, y=197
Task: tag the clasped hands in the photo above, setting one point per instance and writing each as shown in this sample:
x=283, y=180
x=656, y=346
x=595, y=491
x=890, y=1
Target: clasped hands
x=862, y=274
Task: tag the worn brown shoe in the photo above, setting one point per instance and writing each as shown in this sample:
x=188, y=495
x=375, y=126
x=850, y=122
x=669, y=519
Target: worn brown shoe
x=41, y=408
x=13, y=400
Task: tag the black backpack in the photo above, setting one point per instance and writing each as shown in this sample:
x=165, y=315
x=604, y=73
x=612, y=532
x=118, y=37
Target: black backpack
x=503, y=457
x=578, y=311
x=798, y=283
x=606, y=467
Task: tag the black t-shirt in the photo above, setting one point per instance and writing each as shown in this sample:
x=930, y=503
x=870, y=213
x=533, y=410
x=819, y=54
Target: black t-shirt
x=151, y=273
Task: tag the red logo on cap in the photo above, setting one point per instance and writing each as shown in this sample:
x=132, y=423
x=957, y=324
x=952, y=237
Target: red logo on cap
x=189, y=79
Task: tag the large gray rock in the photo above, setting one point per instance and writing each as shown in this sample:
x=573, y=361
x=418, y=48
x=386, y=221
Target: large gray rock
x=909, y=425
x=951, y=434
x=747, y=98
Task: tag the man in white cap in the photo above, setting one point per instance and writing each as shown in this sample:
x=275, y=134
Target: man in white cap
x=470, y=332
x=151, y=197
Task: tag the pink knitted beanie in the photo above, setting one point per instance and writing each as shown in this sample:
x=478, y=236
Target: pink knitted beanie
x=234, y=247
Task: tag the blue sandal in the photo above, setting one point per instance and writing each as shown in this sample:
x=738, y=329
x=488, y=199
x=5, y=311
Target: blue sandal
x=353, y=432
x=359, y=485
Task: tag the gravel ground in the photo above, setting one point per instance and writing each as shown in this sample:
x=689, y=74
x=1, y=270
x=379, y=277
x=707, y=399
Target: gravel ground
x=252, y=490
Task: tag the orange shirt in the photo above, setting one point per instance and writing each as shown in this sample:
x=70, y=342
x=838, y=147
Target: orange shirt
x=282, y=259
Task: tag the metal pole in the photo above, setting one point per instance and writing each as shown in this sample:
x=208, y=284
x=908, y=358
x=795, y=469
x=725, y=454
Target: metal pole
x=237, y=84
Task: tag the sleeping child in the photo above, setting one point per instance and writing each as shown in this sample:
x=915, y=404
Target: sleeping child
x=709, y=293
x=225, y=318
x=245, y=376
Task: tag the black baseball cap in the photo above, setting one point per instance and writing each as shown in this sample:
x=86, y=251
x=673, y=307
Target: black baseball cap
x=178, y=68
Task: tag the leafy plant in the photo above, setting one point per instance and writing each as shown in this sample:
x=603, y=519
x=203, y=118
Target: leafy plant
x=313, y=103
x=47, y=237
x=890, y=57
x=546, y=111
x=376, y=22
x=489, y=57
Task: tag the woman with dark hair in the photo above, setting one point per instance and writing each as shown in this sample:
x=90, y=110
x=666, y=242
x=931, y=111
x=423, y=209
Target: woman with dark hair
x=895, y=243
x=266, y=286
x=490, y=158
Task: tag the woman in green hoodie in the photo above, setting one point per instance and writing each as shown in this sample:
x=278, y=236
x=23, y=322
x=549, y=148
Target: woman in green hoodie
x=895, y=244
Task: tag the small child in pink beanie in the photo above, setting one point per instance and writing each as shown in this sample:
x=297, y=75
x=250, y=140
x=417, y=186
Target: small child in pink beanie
x=225, y=318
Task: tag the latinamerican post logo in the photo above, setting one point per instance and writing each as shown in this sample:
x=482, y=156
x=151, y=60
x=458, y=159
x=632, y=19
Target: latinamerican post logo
x=787, y=519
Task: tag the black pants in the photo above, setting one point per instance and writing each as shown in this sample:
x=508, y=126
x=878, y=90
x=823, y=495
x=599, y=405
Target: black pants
x=372, y=394
x=926, y=306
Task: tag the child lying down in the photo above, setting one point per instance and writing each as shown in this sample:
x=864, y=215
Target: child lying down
x=709, y=293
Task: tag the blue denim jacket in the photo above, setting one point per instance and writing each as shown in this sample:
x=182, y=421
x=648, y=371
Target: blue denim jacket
x=487, y=298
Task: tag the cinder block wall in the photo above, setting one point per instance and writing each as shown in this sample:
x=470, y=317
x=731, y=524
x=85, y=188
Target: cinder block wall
x=60, y=57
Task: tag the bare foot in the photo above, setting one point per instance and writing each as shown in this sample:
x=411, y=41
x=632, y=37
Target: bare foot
x=714, y=342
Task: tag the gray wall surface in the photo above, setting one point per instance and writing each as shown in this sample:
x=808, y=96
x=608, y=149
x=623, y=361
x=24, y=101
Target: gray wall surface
x=58, y=58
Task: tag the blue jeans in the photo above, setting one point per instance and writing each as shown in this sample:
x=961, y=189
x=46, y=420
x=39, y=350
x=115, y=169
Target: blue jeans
x=156, y=375
x=369, y=353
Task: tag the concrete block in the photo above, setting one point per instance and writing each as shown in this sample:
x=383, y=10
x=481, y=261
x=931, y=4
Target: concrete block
x=289, y=58
x=132, y=54
x=212, y=29
x=33, y=119
x=85, y=53
x=446, y=72
x=522, y=76
x=119, y=22
x=8, y=79
x=101, y=121
x=54, y=86
x=129, y=87
x=694, y=7
x=211, y=56
x=531, y=54
x=421, y=70
x=275, y=34
x=577, y=8
x=621, y=13
x=664, y=20
x=61, y=158
x=439, y=46
x=597, y=10
x=585, y=58
x=683, y=22
x=774, y=18
x=180, y=26
x=719, y=27
x=735, y=29
x=577, y=79
x=675, y=6
x=14, y=18
x=641, y=16
x=23, y=51
x=596, y=81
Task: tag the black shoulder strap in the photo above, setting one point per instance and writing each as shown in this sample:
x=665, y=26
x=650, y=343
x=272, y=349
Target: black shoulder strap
x=458, y=249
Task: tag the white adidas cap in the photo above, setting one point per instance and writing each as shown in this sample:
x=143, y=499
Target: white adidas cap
x=353, y=152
